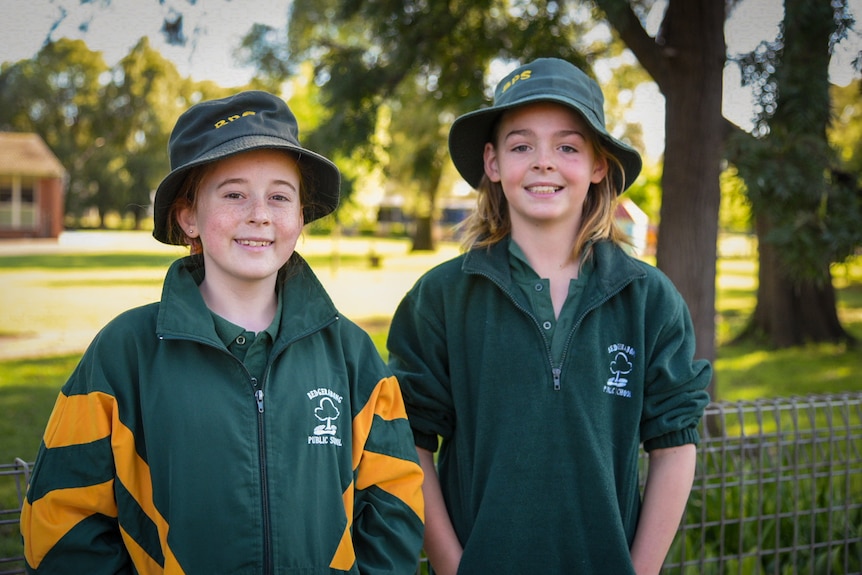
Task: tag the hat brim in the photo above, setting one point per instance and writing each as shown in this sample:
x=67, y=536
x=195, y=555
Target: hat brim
x=320, y=176
x=470, y=133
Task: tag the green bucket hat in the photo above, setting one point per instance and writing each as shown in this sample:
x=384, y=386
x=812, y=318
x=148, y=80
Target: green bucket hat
x=251, y=120
x=543, y=80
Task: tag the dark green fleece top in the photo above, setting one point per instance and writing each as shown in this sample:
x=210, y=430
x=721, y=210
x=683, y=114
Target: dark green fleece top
x=539, y=455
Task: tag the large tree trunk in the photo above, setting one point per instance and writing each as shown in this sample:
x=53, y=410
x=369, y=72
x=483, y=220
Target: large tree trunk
x=686, y=59
x=686, y=249
x=791, y=312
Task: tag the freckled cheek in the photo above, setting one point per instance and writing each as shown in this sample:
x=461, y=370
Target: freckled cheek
x=223, y=215
x=288, y=221
x=290, y=217
x=226, y=221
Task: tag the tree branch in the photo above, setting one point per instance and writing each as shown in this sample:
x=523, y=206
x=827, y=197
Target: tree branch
x=645, y=48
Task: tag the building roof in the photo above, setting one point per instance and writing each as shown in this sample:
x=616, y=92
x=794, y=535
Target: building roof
x=28, y=155
x=628, y=210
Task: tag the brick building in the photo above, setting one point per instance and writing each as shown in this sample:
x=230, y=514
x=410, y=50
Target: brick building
x=32, y=188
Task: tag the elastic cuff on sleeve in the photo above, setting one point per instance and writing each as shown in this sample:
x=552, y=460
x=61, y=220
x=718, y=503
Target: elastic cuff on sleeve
x=673, y=439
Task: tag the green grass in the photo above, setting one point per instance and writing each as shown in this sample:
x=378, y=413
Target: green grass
x=28, y=389
x=86, y=261
x=746, y=371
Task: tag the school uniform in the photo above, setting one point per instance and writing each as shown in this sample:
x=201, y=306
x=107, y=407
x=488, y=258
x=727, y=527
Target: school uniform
x=183, y=444
x=542, y=418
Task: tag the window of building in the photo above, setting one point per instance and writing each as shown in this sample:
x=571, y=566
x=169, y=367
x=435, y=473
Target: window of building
x=6, y=202
x=18, y=203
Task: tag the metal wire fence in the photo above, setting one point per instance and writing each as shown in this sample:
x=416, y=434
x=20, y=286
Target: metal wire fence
x=778, y=490
x=16, y=474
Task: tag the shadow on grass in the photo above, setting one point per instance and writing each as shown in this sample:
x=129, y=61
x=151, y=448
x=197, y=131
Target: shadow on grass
x=746, y=372
x=86, y=261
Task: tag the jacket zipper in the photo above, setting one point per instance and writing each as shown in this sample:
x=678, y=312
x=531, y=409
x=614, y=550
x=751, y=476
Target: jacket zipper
x=261, y=445
x=556, y=371
x=264, y=480
x=258, y=395
x=269, y=567
x=587, y=311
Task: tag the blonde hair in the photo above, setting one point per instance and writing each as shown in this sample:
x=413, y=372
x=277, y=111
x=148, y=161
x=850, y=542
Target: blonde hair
x=489, y=222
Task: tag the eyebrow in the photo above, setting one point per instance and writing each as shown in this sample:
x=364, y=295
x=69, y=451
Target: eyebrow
x=529, y=132
x=230, y=181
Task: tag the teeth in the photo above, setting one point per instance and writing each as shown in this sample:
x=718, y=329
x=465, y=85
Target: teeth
x=254, y=244
x=543, y=189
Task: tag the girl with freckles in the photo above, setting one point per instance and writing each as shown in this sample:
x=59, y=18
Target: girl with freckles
x=537, y=364
x=241, y=424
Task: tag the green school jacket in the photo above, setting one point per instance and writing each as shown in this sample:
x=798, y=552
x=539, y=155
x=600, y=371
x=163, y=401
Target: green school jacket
x=539, y=457
x=163, y=455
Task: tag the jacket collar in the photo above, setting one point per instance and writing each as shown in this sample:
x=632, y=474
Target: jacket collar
x=612, y=269
x=306, y=307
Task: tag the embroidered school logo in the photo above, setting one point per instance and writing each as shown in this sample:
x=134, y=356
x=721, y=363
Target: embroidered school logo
x=326, y=405
x=620, y=366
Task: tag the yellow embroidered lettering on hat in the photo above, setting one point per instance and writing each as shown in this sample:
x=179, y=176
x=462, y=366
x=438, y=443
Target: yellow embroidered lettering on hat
x=221, y=123
x=215, y=129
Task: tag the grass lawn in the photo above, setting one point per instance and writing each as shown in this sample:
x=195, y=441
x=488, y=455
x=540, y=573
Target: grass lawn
x=745, y=371
x=28, y=387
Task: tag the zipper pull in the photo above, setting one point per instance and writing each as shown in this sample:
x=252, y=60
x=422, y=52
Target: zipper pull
x=258, y=395
x=557, y=372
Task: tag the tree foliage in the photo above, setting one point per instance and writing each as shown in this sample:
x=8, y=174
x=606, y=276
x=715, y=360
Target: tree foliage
x=108, y=126
x=416, y=65
x=58, y=95
x=845, y=131
x=806, y=205
x=791, y=171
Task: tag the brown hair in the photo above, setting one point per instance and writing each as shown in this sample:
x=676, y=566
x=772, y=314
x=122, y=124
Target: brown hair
x=187, y=198
x=489, y=222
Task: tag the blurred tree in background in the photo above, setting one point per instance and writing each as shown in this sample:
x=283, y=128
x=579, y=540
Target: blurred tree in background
x=806, y=201
x=58, y=95
x=418, y=66
x=686, y=59
x=108, y=126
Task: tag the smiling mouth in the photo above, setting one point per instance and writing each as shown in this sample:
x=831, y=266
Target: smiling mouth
x=543, y=190
x=254, y=243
